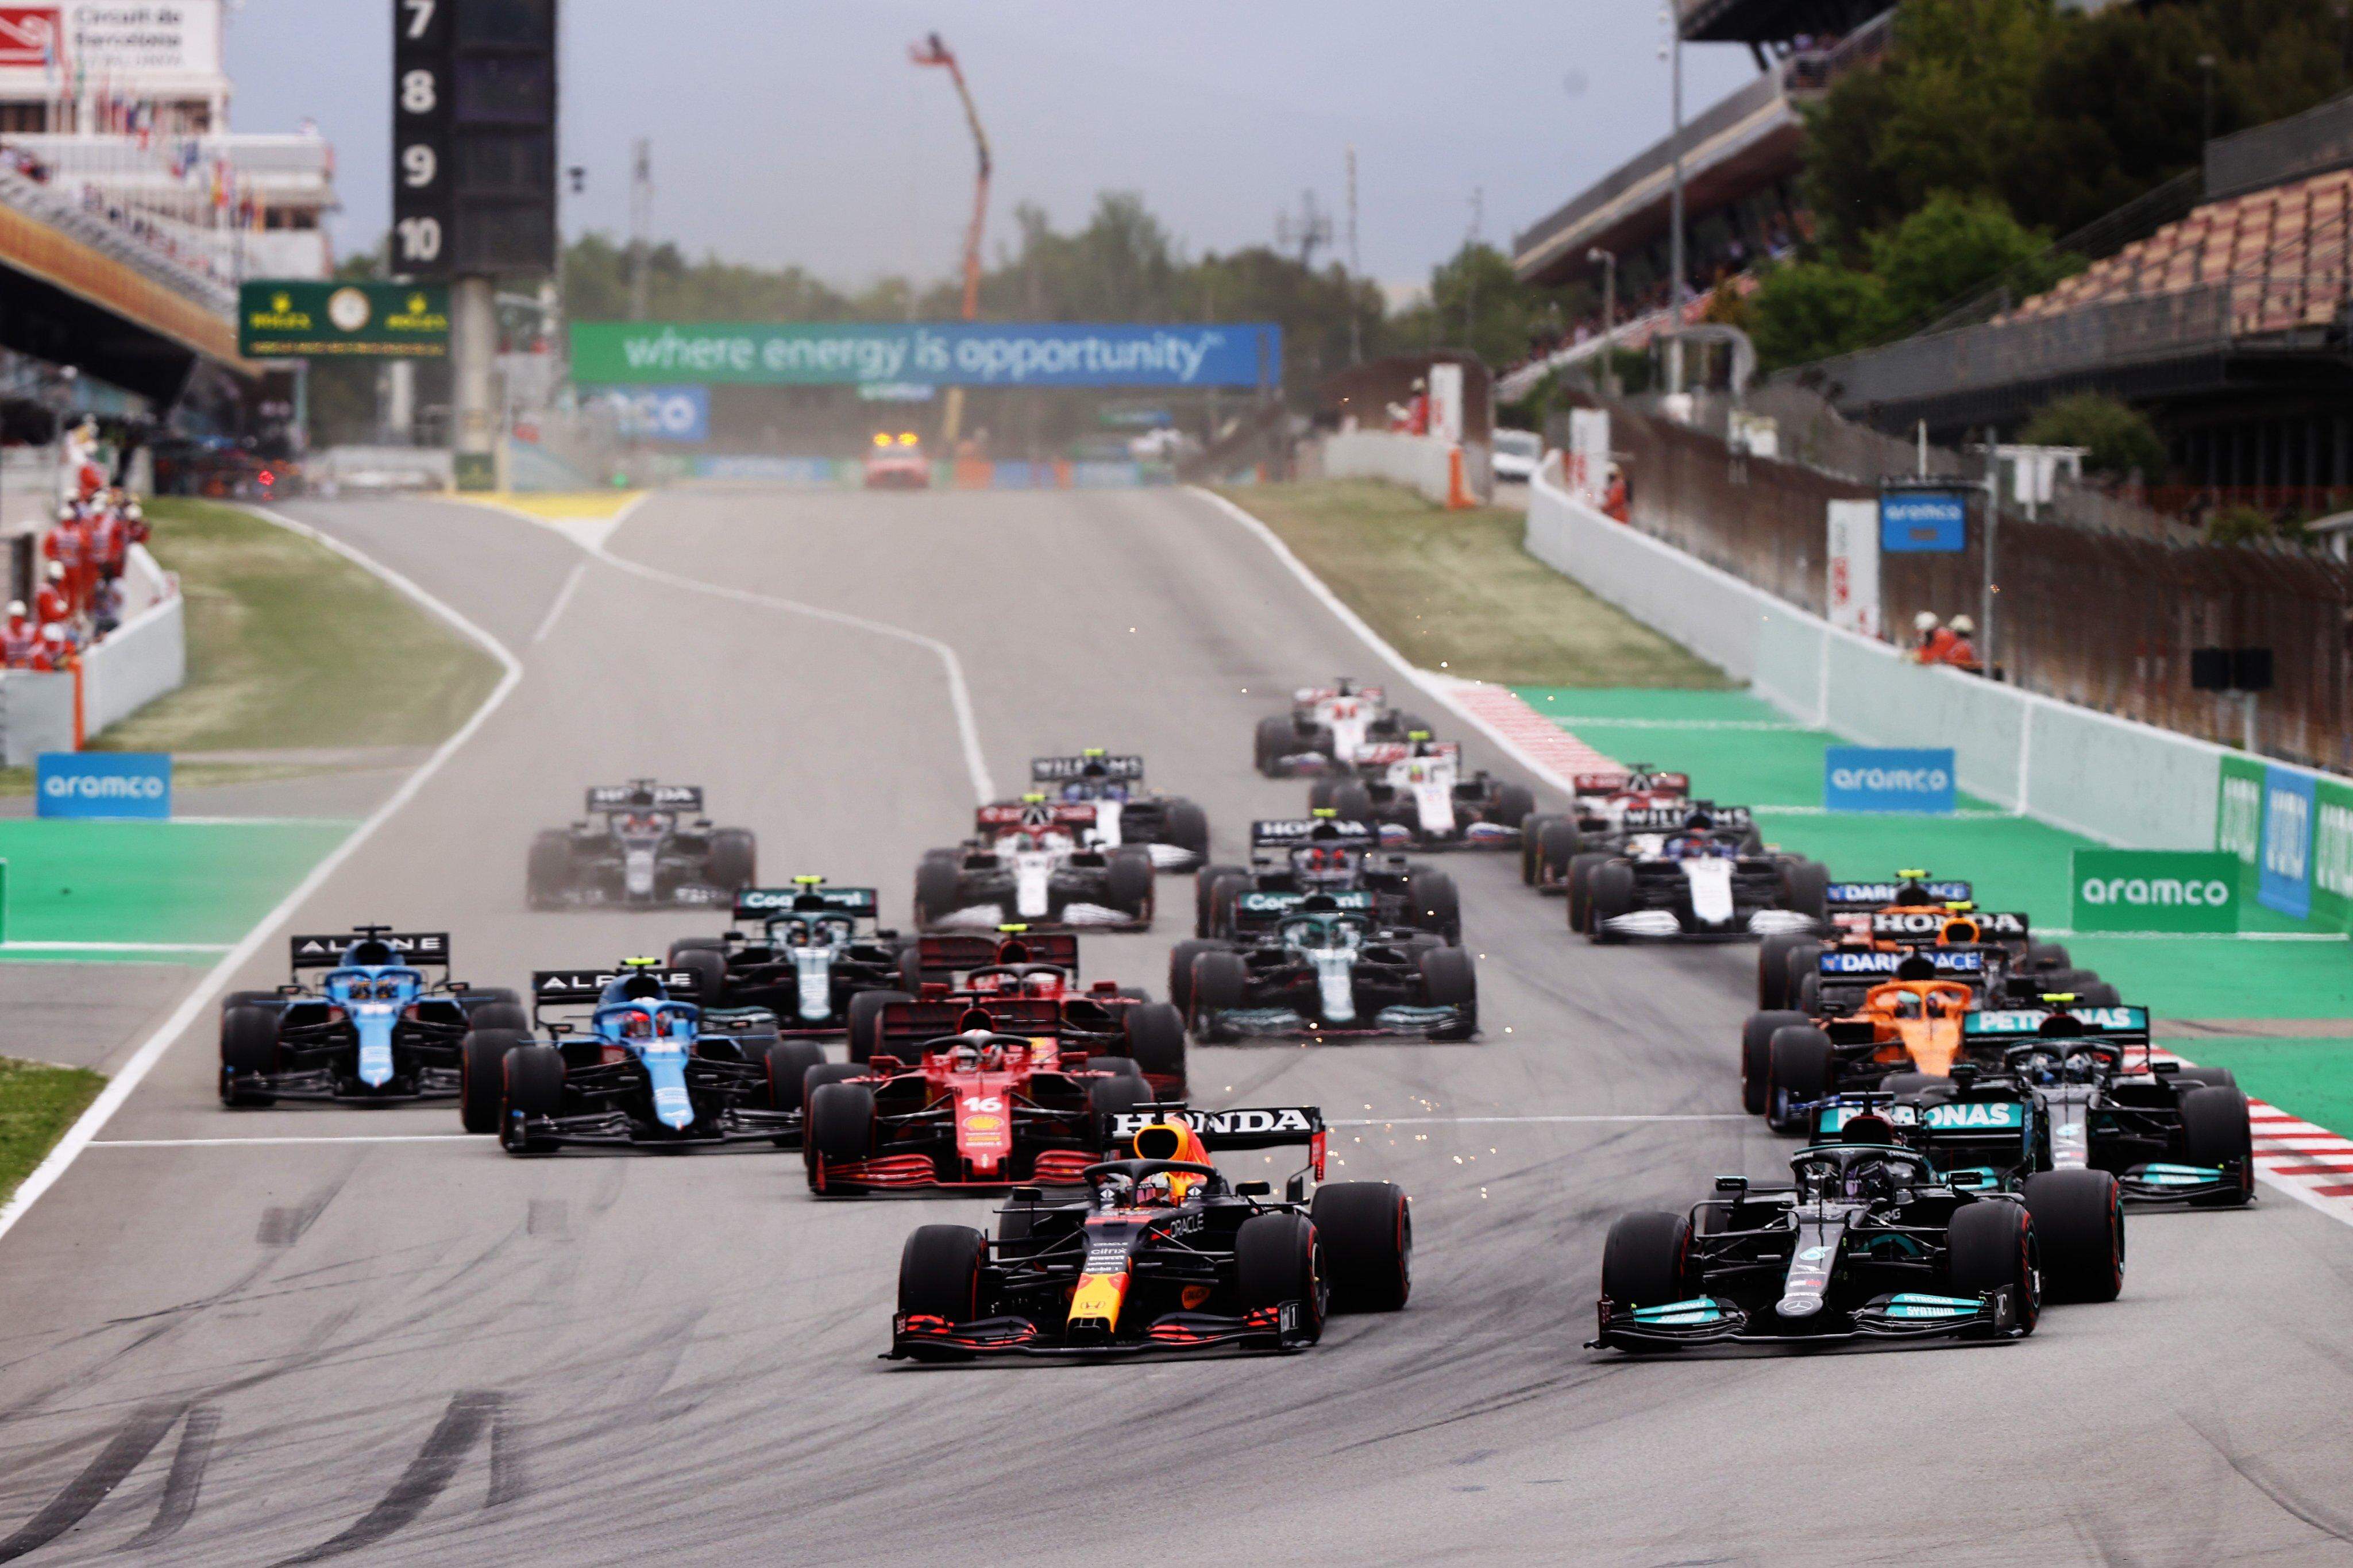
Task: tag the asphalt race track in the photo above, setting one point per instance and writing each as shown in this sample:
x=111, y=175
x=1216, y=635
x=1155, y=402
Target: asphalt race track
x=427, y=1351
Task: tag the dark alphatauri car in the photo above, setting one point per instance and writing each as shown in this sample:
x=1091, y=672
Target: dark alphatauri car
x=1035, y=862
x=1868, y=1241
x=1173, y=830
x=1326, y=971
x=373, y=1028
x=1321, y=853
x=640, y=843
x=1710, y=878
x=810, y=949
x=1164, y=1254
x=645, y=1068
x=1326, y=727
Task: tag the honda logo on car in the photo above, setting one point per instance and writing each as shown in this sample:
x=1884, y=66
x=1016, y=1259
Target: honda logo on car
x=1874, y=778
x=2156, y=889
x=103, y=784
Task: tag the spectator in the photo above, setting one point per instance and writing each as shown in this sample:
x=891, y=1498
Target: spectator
x=20, y=639
x=1617, y=497
x=110, y=542
x=106, y=610
x=134, y=524
x=1961, y=653
x=63, y=548
x=57, y=649
x=1933, y=643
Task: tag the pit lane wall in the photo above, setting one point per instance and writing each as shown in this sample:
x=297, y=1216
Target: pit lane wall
x=2110, y=779
x=1419, y=463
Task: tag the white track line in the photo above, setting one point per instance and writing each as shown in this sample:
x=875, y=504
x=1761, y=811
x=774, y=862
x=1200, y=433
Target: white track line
x=151, y=1050
x=252, y=1142
x=556, y=611
x=1506, y=1121
x=975, y=764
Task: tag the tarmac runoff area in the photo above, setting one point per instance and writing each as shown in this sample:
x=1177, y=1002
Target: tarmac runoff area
x=299, y=1335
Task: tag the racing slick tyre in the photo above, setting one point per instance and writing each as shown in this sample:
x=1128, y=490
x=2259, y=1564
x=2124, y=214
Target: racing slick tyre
x=1319, y=793
x=1579, y=877
x=2066, y=982
x=1559, y=841
x=789, y=1062
x=709, y=969
x=1773, y=968
x=1646, y=1262
x=1367, y=1228
x=1808, y=998
x=1916, y=1083
x=1991, y=1246
x=1351, y=800
x=1278, y=737
x=2215, y=1132
x=1121, y=1092
x=2079, y=1224
x=1406, y=723
x=1609, y=893
x=693, y=944
x=1220, y=981
x=1436, y=904
x=1180, y=973
x=2046, y=957
x=1798, y=1071
x=483, y=1075
x=939, y=1277
x=1204, y=891
x=1806, y=887
x=735, y=862
x=533, y=1087
x=1156, y=1041
x=2222, y=1076
x=1804, y=958
x=499, y=1016
x=938, y=889
x=1278, y=1258
x=1531, y=832
x=248, y=1045
x=548, y=872
x=1512, y=804
x=1130, y=882
x=248, y=999
x=817, y=1076
x=840, y=1125
x=1757, y=1056
x=865, y=1022
x=1449, y=980
x=2098, y=994
x=1224, y=888
x=1185, y=826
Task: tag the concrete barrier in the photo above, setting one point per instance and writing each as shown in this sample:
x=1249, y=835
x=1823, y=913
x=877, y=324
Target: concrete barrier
x=146, y=656
x=2110, y=779
x=1418, y=462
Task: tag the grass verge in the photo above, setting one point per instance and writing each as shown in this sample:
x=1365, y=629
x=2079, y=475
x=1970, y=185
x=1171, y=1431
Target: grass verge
x=291, y=646
x=1454, y=589
x=38, y=1103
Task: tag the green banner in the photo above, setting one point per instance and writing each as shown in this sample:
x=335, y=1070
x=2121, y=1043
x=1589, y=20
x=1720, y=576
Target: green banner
x=2299, y=854
x=300, y=318
x=2156, y=889
x=927, y=354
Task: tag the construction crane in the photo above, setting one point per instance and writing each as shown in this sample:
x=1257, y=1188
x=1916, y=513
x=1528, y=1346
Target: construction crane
x=932, y=51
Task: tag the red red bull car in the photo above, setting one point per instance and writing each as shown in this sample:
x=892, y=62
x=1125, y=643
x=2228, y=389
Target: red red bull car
x=1163, y=1254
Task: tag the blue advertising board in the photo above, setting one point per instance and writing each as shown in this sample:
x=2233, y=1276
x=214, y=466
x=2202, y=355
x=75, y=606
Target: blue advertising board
x=1880, y=778
x=918, y=353
x=1921, y=520
x=2285, y=862
x=103, y=784
x=661, y=413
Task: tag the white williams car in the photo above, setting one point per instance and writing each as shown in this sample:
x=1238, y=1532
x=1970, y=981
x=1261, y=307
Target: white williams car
x=1174, y=830
x=1711, y=877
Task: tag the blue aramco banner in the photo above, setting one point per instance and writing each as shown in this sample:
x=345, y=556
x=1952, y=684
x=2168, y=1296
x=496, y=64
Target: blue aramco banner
x=1877, y=778
x=917, y=354
x=103, y=784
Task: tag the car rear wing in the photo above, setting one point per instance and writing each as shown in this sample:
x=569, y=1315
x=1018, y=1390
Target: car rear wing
x=1873, y=895
x=645, y=796
x=1950, y=964
x=937, y=1018
x=2000, y=1113
x=412, y=947
x=1088, y=765
x=1306, y=694
x=2127, y=1023
x=1019, y=814
x=1383, y=752
x=1928, y=924
x=955, y=952
x=771, y=904
x=1288, y=830
x=585, y=987
x=1613, y=783
x=1256, y=1127
x=1255, y=905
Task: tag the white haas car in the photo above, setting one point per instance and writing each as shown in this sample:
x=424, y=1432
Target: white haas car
x=1327, y=729
x=1414, y=794
x=1708, y=877
x=1033, y=861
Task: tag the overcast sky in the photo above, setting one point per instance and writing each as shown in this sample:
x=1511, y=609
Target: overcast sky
x=790, y=131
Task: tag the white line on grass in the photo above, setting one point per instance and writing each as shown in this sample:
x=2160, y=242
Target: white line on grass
x=151, y=1050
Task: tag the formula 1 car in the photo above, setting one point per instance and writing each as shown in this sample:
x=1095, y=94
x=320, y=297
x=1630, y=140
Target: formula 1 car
x=1869, y=1241
x=813, y=951
x=985, y=1106
x=1325, y=727
x=1605, y=810
x=1021, y=983
x=641, y=843
x=373, y=1029
x=1031, y=861
x=650, y=1070
x=1164, y=1254
x=1709, y=878
x=1175, y=830
x=1888, y=1013
x=1414, y=793
x=1833, y=975
x=1911, y=910
x=897, y=463
x=1326, y=971
x=1323, y=853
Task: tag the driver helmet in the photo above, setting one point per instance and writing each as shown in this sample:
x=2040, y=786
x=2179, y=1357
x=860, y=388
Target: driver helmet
x=637, y=1024
x=1155, y=1191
